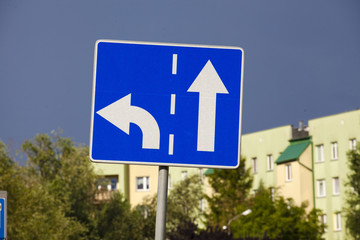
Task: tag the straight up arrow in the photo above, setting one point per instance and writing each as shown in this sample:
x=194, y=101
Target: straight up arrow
x=207, y=84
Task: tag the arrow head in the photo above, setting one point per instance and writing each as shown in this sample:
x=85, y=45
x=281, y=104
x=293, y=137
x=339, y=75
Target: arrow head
x=117, y=112
x=208, y=81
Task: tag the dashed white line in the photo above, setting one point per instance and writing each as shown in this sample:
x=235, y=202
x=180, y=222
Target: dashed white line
x=171, y=144
x=172, y=104
x=174, y=65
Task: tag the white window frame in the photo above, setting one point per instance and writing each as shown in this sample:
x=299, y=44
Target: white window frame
x=336, y=186
x=337, y=221
x=146, y=184
x=270, y=162
x=272, y=191
x=254, y=165
x=352, y=144
x=323, y=220
x=334, y=151
x=318, y=184
x=288, y=172
x=184, y=175
x=320, y=153
x=169, y=182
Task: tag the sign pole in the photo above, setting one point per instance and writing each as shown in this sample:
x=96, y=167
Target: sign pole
x=161, y=203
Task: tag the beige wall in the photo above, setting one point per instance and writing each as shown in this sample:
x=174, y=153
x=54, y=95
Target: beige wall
x=136, y=197
x=300, y=187
x=307, y=190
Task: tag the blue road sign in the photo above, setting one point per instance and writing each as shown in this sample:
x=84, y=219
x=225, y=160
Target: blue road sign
x=2, y=218
x=166, y=104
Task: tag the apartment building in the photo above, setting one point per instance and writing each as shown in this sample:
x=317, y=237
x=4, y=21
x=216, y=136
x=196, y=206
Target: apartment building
x=333, y=136
x=306, y=163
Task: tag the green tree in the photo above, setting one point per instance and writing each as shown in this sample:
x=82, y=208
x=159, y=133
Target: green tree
x=231, y=190
x=277, y=218
x=65, y=171
x=116, y=220
x=352, y=210
x=183, y=206
x=33, y=213
x=184, y=203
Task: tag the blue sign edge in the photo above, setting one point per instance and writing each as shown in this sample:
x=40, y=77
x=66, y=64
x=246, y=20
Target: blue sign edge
x=3, y=195
x=157, y=163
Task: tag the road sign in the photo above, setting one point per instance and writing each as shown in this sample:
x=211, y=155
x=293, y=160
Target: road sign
x=3, y=214
x=166, y=104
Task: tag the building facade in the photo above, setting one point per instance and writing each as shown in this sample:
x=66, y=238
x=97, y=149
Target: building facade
x=307, y=163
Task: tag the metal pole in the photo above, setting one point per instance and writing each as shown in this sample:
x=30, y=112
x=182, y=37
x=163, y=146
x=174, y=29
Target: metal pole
x=161, y=203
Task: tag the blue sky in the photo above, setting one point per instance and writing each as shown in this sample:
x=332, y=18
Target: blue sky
x=302, y=58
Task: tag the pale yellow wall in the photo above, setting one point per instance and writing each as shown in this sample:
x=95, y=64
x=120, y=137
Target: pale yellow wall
x=300, y=188
x=260, y=144
x=289, y=189
x=137, y=197
x=306, y=178
x=119, y=170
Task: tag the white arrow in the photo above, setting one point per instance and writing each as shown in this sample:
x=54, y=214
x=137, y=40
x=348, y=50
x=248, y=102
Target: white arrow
x=207, y=84
x=121, y=114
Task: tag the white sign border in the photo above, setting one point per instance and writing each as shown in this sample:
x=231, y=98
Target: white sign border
x=156, y=163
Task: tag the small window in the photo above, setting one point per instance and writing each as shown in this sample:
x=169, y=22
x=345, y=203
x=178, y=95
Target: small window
x=288, y=172
x=321, y=190
x=143, y=183
x=323, y=220
x=183, y=175
x=113, y=182
x=337, y=221
x=270, y=162
x=320, y=153
x=336, y=186
x=169, y=182
x=352, y=143
x=254, y=165
x=202, y=205
x=334, y=151
x=272, y=191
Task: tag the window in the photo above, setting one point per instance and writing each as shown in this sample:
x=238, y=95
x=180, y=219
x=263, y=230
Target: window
x=143, y=183
x=272, y=190
x=336, y=186
x=270, y=162
x=183, y=175
x=337, y=221
x=202, y=205
x=288, y=172
x=321, y=190
x=112, y=185
x=334, y=151
x=352, y=143
x=323, y=220
x=169, y=182
x=320, y=153
x=254, y=165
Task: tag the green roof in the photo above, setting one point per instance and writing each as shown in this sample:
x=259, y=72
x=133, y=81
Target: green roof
x=293, y=151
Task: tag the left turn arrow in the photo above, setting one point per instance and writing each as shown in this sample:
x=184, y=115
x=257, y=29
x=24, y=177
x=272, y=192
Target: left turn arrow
x=121, y=114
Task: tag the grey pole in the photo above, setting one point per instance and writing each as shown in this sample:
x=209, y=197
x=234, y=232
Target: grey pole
x=161, y=203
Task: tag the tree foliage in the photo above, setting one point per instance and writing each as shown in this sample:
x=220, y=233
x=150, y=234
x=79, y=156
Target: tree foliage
x=278, y=218
x=52, y=197
x=116, y=220
x=33, y=212
x=231, y=190
x=66, y=172
x=184, y=202
x=352, y=210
